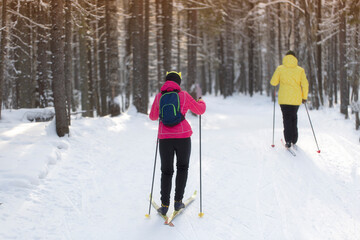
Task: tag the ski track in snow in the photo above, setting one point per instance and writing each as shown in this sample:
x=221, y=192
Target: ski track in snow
x=96, y=184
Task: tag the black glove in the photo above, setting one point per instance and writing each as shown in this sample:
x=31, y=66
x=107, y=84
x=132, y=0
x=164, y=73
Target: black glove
x=304, y=101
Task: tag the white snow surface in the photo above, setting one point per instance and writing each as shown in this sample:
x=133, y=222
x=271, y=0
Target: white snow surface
x=96, y=183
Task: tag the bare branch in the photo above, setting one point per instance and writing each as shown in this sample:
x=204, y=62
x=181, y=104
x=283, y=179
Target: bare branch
x=28, y=19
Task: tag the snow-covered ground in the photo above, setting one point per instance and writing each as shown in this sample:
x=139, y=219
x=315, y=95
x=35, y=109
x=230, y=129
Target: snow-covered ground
x=96, y=183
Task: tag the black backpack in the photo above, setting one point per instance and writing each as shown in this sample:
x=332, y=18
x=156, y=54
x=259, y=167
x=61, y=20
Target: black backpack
x=169, y=113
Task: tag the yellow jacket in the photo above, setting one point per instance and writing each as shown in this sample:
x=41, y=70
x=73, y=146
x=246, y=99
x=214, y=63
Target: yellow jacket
x=293, y=83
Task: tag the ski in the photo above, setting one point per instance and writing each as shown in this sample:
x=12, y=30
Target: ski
x=153, y=203
x=295, y=147
x=176, y=213
x=289, y=149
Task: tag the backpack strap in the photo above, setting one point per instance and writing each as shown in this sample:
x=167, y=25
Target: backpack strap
x=166, y=91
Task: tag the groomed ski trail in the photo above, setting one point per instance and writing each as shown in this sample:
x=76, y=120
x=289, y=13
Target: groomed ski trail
x=100, y=187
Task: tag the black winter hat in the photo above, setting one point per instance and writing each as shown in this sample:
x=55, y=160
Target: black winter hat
x=173, y=76
x=290, y=53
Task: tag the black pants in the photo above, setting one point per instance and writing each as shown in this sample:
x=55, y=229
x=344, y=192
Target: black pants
x=289, y=113
x=182, y=148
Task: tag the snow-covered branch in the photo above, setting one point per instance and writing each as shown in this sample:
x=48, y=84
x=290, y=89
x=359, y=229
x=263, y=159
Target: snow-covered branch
x=28, y=19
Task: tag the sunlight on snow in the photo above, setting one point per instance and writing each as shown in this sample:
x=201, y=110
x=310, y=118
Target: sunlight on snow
x=22, y=128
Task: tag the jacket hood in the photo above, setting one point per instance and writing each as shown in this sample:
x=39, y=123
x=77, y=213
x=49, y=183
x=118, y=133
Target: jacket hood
x=290, y=61
x=170, y=86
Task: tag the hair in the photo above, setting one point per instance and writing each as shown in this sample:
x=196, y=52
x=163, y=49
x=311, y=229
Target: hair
x=290, y=52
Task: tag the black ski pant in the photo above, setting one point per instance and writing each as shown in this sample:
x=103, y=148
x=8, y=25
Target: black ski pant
x=168, y=148
x=289, y=113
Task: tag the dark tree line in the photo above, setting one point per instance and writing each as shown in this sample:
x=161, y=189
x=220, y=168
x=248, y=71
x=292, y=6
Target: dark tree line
x=97, y=57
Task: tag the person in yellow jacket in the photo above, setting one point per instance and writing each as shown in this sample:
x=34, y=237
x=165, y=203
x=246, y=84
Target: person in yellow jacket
x=293, y=91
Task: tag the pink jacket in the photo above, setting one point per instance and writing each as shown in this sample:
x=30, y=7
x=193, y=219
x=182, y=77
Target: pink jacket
x=183, y=129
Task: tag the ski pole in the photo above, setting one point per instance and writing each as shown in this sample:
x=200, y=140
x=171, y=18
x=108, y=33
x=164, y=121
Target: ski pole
x=153, y=177
x=201, y=214
x=273, y=144
x=312, y=128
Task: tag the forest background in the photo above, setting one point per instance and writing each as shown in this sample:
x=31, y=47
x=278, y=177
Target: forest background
x=96, y=57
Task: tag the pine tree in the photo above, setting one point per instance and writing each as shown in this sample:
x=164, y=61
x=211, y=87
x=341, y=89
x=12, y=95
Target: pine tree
x=57, y=66
x=3, y=43
x=68, y=56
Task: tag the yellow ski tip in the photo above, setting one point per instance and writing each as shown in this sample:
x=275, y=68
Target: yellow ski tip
x=201, y=214
x=147, y=215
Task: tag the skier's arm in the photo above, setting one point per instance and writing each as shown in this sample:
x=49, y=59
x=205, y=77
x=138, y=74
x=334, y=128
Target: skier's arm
x=154, y=113
x=275, y=78
x=304, y=86
x=197, y=107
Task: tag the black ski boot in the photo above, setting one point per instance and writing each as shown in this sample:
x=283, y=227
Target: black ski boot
x=163, y=209
x=179, y=205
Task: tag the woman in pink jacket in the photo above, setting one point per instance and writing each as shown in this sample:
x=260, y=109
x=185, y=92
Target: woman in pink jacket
x=175, y=140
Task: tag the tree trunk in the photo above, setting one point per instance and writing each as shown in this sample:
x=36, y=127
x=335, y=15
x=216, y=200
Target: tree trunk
x=319, y=53
x=68, y=57
x=356, y=73
x=336, y=66
x=203, y=77
x=90, y=64
x=192, y=49
x=251, y=75
x=229, y=54
x=145, y=79
x=102, y=61
x=84, y=81
x=280, y=54
x=33, y=54
x=112, y=53
x=289, y=27
x=42, y=57
x=357, y=122
x=219, y=85
x=3, y=44
x=344, y=87
x=204, y=65
x=127, y=57
x=95, y=53
x=76, y=65
x=259, y=71
x=137, y=37
x=270, y=53
x=178, y=45
x=25, y=85
x=311, y=59
x=296, y=20
x=331, y=78
x=243, y=68
x=167, y=33
x=90, y=61
x=210, y=68
x=57, y=66
x=159, y=64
